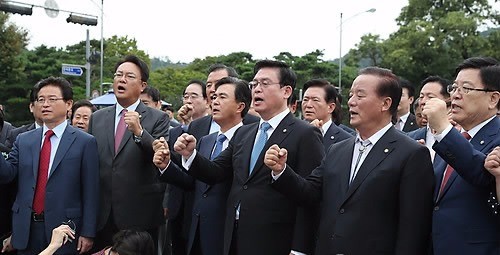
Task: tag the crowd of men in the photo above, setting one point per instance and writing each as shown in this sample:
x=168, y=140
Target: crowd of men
x=246, y=176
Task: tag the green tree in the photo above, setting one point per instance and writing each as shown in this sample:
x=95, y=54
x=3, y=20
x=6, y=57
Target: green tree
x=12, y=88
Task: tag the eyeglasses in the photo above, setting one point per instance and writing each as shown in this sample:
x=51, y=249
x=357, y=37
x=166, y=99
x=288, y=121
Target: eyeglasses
x=128, y=76
x=72, y=225
x=50, y=100
x=452, y=88
x=265, y=83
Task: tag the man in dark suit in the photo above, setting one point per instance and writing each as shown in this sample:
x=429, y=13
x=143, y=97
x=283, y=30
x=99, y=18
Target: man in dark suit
x=406, y=120
x=230, y=103
x=375, y=202
x=259, y=220
x=462, y=184
x=56, y=183
x=318, y=105
x=432, y=87
x=131, y=193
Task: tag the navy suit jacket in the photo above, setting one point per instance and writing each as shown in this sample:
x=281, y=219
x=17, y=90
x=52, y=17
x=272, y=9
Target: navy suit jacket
x=72, y=191
x=334, y=134
x=209, y=205
x=269, y=222
x=462, y=221
x=385, y=210
x=418, y=134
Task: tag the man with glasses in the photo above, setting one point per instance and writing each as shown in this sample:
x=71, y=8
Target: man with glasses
x=131, y=193
x=56, y=167
x=462, y=221
x=259, y=220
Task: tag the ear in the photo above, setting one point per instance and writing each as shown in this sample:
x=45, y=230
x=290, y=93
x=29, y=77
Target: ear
x=386, y=104
x=331, y=107
x=288, y=91
x=494, y=100
x=143, y=86
x=411, y=100
x=240, y=107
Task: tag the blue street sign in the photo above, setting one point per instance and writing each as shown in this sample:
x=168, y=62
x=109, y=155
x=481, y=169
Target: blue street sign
x=72, y=70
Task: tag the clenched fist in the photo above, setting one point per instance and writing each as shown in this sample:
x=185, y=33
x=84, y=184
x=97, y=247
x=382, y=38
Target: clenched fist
x=275, y=159
x=161, y=158
x=185, y=145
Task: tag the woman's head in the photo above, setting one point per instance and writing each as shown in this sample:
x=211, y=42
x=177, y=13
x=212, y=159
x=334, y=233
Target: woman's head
x=130, y=242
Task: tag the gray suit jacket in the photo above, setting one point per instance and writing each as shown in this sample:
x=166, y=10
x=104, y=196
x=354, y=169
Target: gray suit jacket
x=129, y=181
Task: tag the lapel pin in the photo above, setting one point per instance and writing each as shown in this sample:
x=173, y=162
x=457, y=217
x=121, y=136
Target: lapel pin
x=411, y=123
x=140, y=116
x=332, y=137
x=482, y=142
x=284, y=130
x=386, y=150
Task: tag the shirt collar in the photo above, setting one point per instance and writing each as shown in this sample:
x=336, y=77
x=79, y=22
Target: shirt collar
x=404, y=117
x=229, y=133
x=473, y=131
x=58, y=130
x=375, y=137
x=326, y=126
x=275, y=121
x=132, y=107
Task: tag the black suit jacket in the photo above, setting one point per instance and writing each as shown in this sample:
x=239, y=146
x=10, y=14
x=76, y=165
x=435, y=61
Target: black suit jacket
x=410, y=124
x=387, y=209
x=267, y=218
x=16, y=131
x=129, y=181
x=334, y=134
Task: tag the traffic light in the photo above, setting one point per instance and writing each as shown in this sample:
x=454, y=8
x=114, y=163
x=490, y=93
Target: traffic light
x=16, y=8
x=83, y=20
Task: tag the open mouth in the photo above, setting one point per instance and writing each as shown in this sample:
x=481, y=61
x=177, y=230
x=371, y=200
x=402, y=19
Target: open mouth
x=120, y=88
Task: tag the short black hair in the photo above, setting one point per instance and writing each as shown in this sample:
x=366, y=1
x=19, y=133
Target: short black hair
x=287, y=75
x=153, y=92
x=138, y=62
x=406, y=84
x=130, y=242
x=331, y=93
x=488, y=68
x=231, y=72
x=200, y=83
x=61, y=83
x=82, y=103
x=242, y=91
x=441, y=81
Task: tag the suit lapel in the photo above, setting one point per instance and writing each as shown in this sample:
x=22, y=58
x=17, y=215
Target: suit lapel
x=65, y=142
x=377, y=154
x=36, y=147
x=206, y=149
x=279, y=134
x=110, y=130
x=345, y=163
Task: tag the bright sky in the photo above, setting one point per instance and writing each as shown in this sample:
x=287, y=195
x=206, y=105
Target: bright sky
x=189, y=29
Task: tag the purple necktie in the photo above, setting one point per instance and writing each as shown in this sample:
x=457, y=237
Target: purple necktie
x=120, y=130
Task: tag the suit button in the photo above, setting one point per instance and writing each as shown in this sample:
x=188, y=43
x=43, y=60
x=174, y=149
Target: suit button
x=205, y=195
x=342, y=210
x=436, y=208
x=245, y=187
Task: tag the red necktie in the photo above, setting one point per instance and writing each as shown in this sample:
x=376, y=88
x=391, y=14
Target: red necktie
x=120, y=130
x=43, y=174
x=449, y=170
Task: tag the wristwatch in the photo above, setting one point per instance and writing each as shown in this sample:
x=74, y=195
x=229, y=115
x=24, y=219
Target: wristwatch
x=138, y=138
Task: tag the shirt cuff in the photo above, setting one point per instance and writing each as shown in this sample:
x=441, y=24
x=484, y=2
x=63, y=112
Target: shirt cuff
x=440, y=137
x=165, y=169
x=275, y=177
x=186, y=163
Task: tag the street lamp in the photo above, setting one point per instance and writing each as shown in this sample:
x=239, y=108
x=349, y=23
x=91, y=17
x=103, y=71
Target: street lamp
x=372, y=10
